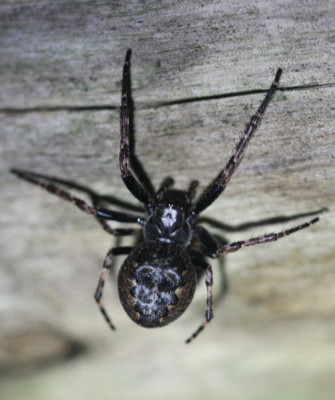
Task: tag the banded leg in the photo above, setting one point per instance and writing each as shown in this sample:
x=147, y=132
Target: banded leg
x=103, y=276
x=83, y=206
x=128, y=178
x=213, y=191
x=269, y=237
x=209, y=248
x=209, y=299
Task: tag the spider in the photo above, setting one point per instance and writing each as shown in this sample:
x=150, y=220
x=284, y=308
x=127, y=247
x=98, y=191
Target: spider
x=157, y=280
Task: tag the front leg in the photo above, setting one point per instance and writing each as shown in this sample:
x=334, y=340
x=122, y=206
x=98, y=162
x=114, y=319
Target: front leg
x=213, y=191
x=135, y=188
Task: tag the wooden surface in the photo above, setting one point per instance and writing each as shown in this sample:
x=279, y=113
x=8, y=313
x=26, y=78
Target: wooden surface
x=273, y=336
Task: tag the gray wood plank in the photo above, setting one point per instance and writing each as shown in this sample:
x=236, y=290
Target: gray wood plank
x=273, y=334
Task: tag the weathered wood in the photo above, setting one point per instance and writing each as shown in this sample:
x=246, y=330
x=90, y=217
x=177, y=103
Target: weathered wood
x=273, y=335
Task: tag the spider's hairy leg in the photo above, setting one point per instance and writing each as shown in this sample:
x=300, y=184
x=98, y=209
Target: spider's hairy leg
x=209, y=299
x=214, y=249
x=190, y=194
x=135, y=188
x=269, y=237
x=165, y=185
x=103, y=276
x=56, y=190
x=101, y=215
x=213, y=190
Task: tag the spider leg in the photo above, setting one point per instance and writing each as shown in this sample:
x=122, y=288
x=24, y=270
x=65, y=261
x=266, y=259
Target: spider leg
x=82, y=205
x=269, y=237
x=209, y=246
x=103, y=276
x=213, y=190
x=209, y=299
x=135, y=188
x=218, y=250
x=165, y=185
x=190, y=194
x=103, y=214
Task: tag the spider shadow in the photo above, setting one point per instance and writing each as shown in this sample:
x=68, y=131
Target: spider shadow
x=263, y=222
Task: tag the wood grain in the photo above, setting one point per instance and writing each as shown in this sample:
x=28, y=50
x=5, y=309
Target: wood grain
x=273, y=336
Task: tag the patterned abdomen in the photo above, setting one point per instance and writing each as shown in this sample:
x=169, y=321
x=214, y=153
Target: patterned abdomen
x=156, y=283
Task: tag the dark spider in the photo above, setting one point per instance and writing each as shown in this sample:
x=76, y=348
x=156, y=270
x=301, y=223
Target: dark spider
x=157, y=280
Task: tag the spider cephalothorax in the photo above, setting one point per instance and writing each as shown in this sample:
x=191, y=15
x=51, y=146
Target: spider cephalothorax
x=168, y=224
x=157, y=280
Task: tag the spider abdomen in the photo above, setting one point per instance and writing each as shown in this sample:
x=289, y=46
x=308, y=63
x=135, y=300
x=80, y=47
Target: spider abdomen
x=156, y=283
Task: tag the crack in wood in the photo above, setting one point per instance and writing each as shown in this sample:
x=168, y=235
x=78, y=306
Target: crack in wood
x=144, y=106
